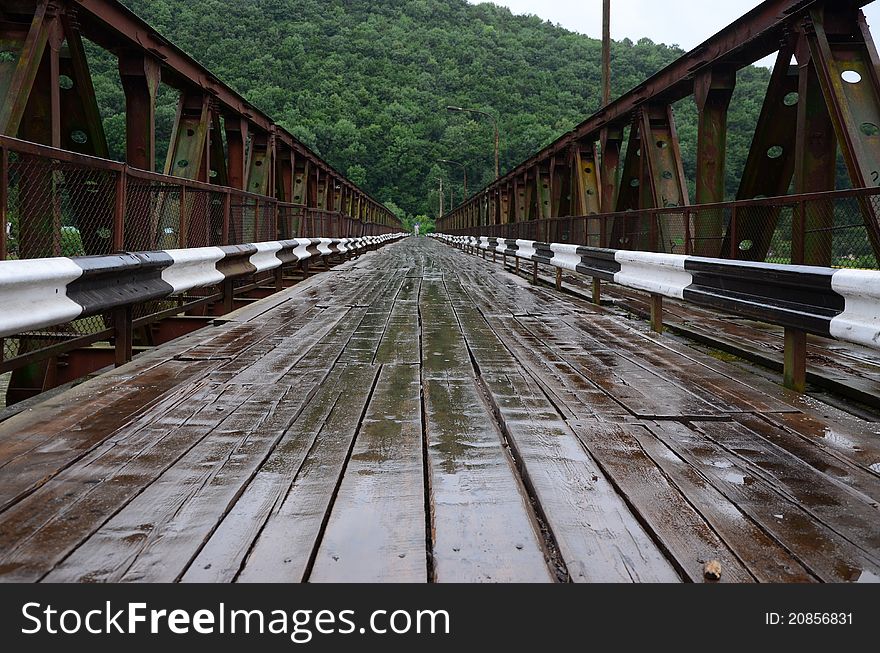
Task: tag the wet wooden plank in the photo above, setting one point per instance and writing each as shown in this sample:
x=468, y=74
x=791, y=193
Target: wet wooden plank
x=684, y=532
x=841, y=470
x=574, y=393
x=767, y=560
x=400, y=337
x=185, y=503
x=822, y=494
x=848, y=437
x=482, y=525
x=41, y=530
x=35, y=450
x=690, y=370
x=823, y=551
x=377, y=526
x=483, y=528
x=271, y=531
x=599, y=539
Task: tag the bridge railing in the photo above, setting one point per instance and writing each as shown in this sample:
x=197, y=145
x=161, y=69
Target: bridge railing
x=843, y=304
x=56, y=203
x=59, y=203
x=814, y=229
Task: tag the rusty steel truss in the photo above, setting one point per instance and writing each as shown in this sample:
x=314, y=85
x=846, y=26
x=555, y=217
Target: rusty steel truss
x=47, y=97
x=231, y=176
x=829, y=100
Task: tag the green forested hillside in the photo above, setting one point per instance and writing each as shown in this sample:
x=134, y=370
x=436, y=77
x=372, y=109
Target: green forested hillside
x=365, y=83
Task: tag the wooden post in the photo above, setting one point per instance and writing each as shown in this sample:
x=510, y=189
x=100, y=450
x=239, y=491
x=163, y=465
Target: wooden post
x=558, y=278
x=516, y=259
x=123, y=335
x=228, y=295
x=597, y=291
x=279, y=278
x=795, y=372
x=656, y=313
x=535, y=273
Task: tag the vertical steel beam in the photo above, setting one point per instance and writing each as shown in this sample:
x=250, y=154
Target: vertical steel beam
x=140, y=76
x=260, y=165
x=17, y=77
x=713, y=90
x=187, y=151
x=815, y=167
x=237, y=137
x=664, y=173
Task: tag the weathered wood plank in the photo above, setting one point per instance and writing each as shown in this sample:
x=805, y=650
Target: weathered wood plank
x=42, y=529
x=270, y=532
x=828, y=498
x=482, y=524
x=39, y=451
x=377, y=526
x=766, y=559
x=684, y=532
x=820, y=549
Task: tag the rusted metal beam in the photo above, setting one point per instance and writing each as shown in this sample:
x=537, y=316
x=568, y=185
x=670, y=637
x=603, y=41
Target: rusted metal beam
x=846, y=65
x=140, y=76
x=712, y=92
x=748, y=39
x=815, y=166
x=17, y=77
x=187, y=151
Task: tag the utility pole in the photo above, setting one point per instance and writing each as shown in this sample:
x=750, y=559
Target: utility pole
x=606, y=52
x=440, y=179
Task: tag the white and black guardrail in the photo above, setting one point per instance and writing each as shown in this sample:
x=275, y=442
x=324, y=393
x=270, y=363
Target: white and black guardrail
x=837, y=303
x=37, y=293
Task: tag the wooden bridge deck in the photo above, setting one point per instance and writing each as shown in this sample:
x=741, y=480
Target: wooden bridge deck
x=419, y=414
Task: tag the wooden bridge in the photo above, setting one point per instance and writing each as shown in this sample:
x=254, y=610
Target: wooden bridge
x=243, y=369
x=419, y=414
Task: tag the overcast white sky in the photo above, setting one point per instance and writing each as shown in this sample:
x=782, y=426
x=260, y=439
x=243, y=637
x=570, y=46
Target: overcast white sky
x=686, y=23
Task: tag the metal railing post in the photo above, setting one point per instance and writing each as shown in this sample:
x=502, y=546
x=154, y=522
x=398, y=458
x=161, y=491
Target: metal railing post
x=4, y=200
x=119, y=211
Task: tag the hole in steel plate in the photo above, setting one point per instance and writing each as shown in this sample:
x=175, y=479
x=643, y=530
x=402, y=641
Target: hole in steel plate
x=258, y=163
x=666, y=174
x=774, y=152
x=634, y=182
x=790, y=99
x=850, y=76
x=182, y=163
x=869, y=129
x=78, y=136
x=190, y=132
x=65, y=82
x=662, y=145
x=745, y=245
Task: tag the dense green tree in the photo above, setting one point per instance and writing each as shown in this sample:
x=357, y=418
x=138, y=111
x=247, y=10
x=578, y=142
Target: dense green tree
x=365, y=84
